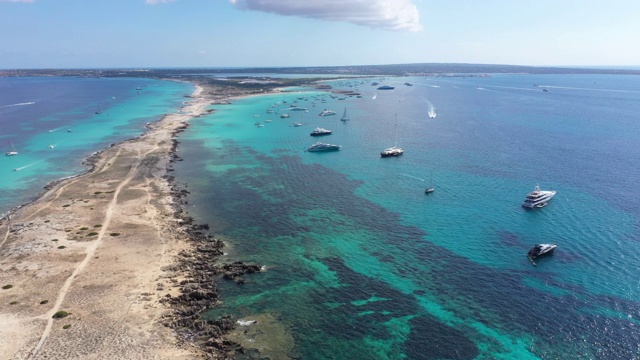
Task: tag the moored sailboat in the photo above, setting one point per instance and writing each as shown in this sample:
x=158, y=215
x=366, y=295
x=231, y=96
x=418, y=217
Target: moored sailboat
x=345, y=117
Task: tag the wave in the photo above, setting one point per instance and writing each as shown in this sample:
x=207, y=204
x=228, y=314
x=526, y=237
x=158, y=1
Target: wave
x=18, y=104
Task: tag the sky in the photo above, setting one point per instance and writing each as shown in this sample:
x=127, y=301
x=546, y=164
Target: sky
x=282, y=33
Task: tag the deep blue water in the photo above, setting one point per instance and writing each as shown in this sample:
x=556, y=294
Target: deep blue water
x=363, y=265
x=53, y=125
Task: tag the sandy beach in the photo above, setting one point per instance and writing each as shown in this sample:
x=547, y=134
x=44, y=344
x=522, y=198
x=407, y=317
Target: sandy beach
x=83, y=268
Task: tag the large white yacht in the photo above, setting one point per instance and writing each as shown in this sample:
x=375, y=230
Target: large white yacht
x=538, y=198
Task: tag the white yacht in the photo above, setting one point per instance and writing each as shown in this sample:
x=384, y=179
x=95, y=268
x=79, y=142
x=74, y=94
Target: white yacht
x=326, y=112
x=318, y=147
x=538, y=198
x=320, y=131
x=540, y=250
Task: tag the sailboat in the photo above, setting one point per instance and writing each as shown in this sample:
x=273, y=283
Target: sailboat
x=12, y=151
x=394, y=150
x=99, y=111
x=345, y=117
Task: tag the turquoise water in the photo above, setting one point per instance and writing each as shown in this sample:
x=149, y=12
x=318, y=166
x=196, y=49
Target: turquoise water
x=362, y=264
x=52, y=123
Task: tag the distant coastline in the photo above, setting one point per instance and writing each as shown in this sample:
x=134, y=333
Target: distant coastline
x=200, y=74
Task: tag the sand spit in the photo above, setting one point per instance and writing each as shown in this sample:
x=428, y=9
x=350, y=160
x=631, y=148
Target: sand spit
x=88, y=270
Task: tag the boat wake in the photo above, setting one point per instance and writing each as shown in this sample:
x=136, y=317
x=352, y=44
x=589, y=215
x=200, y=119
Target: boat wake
x=374, y=97
x=26, y=166
x=414, y=177
x=432, y=109
x=53, y=130
x=18, y=104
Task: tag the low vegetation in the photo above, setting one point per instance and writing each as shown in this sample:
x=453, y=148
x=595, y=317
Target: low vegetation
x=61, y=314
x=7, y=287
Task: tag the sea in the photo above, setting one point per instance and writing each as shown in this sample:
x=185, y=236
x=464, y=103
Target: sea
x=359, y=262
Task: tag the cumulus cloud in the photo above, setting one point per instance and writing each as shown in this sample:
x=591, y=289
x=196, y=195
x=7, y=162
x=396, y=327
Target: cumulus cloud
x=383, y=14
x=153, y=2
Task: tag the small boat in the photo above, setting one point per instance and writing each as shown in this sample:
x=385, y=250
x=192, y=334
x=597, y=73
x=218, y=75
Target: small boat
x=259, y=125
x=545, y=90
x=429, y=190
x=296, y=124
x=68, y=130
x=326, y=112
x=13, y=151
x=99, y=111
x=51, y=146
x=386, y=87
x=297, y=108
x=374, y=84
x=321, y=147
x=540, y=250
x=538, y=198
x=320, y=132
x=345, y=117
x=408, y=84
x=284, y=116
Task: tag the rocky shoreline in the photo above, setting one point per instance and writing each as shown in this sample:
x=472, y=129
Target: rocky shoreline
x=200, y=269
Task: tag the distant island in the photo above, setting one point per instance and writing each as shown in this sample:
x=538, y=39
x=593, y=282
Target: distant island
x=423, y=69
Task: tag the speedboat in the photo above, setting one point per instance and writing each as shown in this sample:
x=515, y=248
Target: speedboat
x=386, y=87
x=538, y=198
x=297, y=108
x=326, y=112
x=429, y=190
x=296, y=124
x=320, y=131
x=319, y=147
x=284, y=116
x=392, y=151
x=541, y=249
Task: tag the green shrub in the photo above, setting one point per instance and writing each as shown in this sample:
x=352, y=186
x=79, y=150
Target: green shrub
x=84, y=228
x=93, y=233
x=46, y=221
x=7, y=287
x=115, y=234
x=60, y=314
x=97, y=193
x=13, y=303
x=97, y=226
x=54, y=239
x=61, y=247
x=66, y=205
x=66, y=326
x=44, y=302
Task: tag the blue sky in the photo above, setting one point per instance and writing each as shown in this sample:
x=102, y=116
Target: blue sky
x=248, y=33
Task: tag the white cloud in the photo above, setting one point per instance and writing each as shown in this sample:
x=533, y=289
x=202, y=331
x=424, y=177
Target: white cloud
x=153, y=2
x=383, y=14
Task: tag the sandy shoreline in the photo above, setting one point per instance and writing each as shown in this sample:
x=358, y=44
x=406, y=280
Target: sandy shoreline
x=108, y=247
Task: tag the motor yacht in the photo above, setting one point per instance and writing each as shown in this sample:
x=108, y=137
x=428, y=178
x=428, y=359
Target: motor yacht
x=541, y=249
x=538, y=198
x=319, y=147
x=320, y=132
x=326, y=112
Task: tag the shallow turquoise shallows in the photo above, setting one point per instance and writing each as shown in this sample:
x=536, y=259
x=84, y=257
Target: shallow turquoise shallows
x=55, y=123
